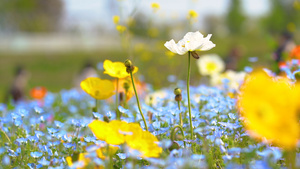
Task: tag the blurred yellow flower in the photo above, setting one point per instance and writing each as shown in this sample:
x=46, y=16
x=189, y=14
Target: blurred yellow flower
x=155, y=6
x=98, y=88
x=270, y=107
x=102, y=152
x=108, y=132
x=116, y=19
x=121, y=28
x=118, y=132
x=192, y=14
x=81, y=159
x=296, y=4
x=291, y=27
x=146, y=143
x=116, y=69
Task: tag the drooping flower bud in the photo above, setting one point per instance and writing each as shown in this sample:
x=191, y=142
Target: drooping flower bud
x=195, y=55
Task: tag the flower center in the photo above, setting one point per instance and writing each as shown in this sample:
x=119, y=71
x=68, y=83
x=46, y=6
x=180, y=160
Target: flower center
x=211, y=66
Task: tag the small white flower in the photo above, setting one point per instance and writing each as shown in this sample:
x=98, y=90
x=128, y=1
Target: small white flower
x=192, y=41
x=210, y=64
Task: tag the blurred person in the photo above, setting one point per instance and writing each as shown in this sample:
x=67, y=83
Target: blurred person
x=18, y=86
x=233, y=58
x=285, y=45
x=87, y=71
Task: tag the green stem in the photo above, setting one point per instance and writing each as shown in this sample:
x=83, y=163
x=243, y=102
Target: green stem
x=5, y=135
x=290, y=159
x=173, y=133
x=188, y=94
x=138, y=102
x=180, y=114
x=117, y=100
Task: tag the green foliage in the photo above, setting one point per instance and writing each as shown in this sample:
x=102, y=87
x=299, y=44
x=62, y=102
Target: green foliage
x=235, y=17
x=31, y=15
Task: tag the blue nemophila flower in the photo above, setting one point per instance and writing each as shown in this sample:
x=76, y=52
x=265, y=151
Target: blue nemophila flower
x=15, y=116
x=23, y=112
x=271, y=152
x=31, y=165
x=58, y=124
x=89, y=139
x=6, y=160
x=12, y=153
x=38, y=110
x=33, y=139
x=38, y=134
x=122, y=156
x=97, y=115
x=21, y=141
x=36, y=154
x=51, y=131
x=18, y=122
x=44, y=162
x=68, y=145
x=73, y=109
x=42, y=119
x=248, y=69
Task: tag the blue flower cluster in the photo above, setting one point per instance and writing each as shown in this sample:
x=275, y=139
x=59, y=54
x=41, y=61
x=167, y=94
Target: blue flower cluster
x=43, y=134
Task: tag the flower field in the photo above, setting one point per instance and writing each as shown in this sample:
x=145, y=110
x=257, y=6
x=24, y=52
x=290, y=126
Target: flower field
x=240, y=119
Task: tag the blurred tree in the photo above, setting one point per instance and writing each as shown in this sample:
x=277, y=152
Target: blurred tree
x=31, y=15
x=235, y=17
x=283, y=15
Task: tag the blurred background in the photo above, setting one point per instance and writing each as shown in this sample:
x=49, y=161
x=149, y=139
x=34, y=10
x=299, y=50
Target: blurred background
x=50, y=42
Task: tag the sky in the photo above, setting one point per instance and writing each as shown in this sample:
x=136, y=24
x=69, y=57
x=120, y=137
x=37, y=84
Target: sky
x=89, y=13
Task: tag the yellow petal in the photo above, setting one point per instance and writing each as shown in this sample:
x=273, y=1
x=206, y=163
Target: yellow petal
x=98, y=88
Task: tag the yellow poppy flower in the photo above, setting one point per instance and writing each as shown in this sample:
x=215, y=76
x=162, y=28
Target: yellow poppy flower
x=145, y=143
x=98, y=88
x=107, y=131
x=118, y=132
x=269, y=106
x=116, y=69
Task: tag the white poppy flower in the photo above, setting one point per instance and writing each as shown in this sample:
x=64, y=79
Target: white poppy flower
x=192, y=41
x=210, y=64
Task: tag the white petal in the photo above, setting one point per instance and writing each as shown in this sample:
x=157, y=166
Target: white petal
x=193, y=40
x=171, y=45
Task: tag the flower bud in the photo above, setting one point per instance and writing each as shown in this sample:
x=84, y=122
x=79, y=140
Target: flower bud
x=128, y=63
x=177, y=91
x=178, y=97
x=129, y=69
x=195, y=55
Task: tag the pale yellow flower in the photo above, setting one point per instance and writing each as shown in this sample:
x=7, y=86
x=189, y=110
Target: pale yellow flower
x=121, y=28
x=155, y=6
x=192, y=14
x=116, y=19
x=210, y=64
